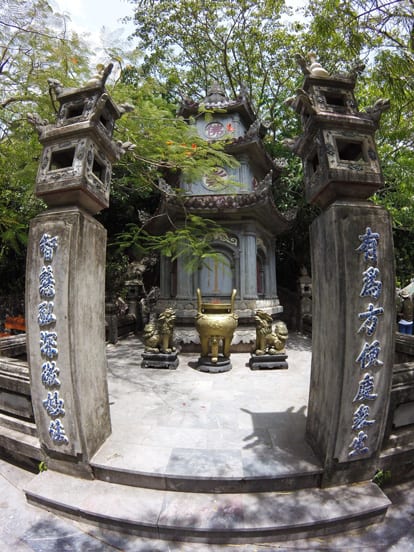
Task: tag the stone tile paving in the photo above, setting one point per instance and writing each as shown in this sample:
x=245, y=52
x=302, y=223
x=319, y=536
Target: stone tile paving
x=24, y=528
x=254, y=433
x=254, y=419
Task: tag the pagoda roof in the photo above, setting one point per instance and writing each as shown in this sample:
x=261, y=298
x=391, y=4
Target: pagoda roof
x=257, y=205
x=251, y=144
x=217, y=100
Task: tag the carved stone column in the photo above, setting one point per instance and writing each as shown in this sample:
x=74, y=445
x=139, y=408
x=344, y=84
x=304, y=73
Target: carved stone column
x=249, y=272
x=353, y=316
x=65, y=277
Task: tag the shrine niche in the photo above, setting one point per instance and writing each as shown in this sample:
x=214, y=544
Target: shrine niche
x=240, y=200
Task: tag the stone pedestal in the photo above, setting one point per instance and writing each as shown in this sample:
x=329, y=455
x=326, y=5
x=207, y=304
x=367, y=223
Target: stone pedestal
x=268, y=362
x=353, y=337
x=65, y=313
x=160, y=360
x=205, y=364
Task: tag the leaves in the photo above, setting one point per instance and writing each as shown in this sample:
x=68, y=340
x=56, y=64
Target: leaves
x=192, y=242
x=180, y=48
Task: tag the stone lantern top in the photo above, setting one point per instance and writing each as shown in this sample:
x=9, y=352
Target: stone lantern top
x=337, y=145
x=78, y=150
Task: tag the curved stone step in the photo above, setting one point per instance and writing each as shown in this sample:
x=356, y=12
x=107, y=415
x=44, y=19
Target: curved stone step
x=206, y=517
x=18, y=440
x=209, y=483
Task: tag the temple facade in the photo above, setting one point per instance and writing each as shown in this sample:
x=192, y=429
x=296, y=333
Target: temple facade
x=240, y=200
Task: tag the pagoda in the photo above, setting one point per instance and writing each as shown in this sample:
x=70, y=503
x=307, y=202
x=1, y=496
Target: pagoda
x=240, y=200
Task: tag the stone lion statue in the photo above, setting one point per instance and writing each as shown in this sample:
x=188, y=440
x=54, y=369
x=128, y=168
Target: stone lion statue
x=269, y=341
x=158, y=335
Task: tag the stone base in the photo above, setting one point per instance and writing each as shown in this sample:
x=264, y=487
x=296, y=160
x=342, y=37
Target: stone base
x=268, y=362
x=205, y=364
x=160, y=360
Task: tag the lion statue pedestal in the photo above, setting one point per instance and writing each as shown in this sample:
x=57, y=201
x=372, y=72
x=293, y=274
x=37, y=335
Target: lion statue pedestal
x=269, y=352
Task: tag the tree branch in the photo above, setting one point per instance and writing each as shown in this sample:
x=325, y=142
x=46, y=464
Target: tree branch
x=32, y=31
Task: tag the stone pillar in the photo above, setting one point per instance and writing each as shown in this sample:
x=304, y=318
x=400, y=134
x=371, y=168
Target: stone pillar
x=352, y=337
x=65, y=276
x=353, y=312
x=249, y=273
x=184, y=280
x=66, y=334
x=271, y=281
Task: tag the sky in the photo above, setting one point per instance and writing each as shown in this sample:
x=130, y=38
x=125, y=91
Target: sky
x=89, y=16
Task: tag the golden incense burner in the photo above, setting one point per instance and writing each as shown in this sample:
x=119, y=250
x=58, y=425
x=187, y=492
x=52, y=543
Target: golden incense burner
x=215, y=324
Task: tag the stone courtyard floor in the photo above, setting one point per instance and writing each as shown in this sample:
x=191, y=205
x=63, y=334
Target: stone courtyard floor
x=190, y=424
x=187, y=423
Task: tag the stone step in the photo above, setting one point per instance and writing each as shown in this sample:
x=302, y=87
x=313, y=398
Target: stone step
x=19, y=443
x=209, y=483
x=207, y=517
x=18, y=424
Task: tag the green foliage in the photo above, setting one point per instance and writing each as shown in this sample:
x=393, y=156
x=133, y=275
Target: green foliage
x=382, y=477
x=162, y=141
x=42, y=466
x=164, y=144
x=192, y=242
x=239, y=43
x=34, y=45
x=181, y=48
x=381, y=35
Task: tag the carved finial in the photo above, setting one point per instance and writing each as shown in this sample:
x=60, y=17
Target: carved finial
x=101, y=75
x=215, y=94
x=124, y=147
x=374, y=112
x=55, y=86
x=356, y=70
x=300, y=60
x=38, y=123
x=253, y=131
x=125, y=108
x=306, y=101
x=316, y=69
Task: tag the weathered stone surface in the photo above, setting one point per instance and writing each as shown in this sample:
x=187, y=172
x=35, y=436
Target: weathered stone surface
x=210, y=517
x=268, y=362
x=78, y=266
x=15, y=394
x=160, y=360
x=13, y=346
x=205, y=364
x=339, y=336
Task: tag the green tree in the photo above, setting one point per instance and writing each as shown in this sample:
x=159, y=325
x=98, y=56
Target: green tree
x=247, y=44
x=250, y=43
x=165, y=147
x=34, y=45
x=381, y=34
